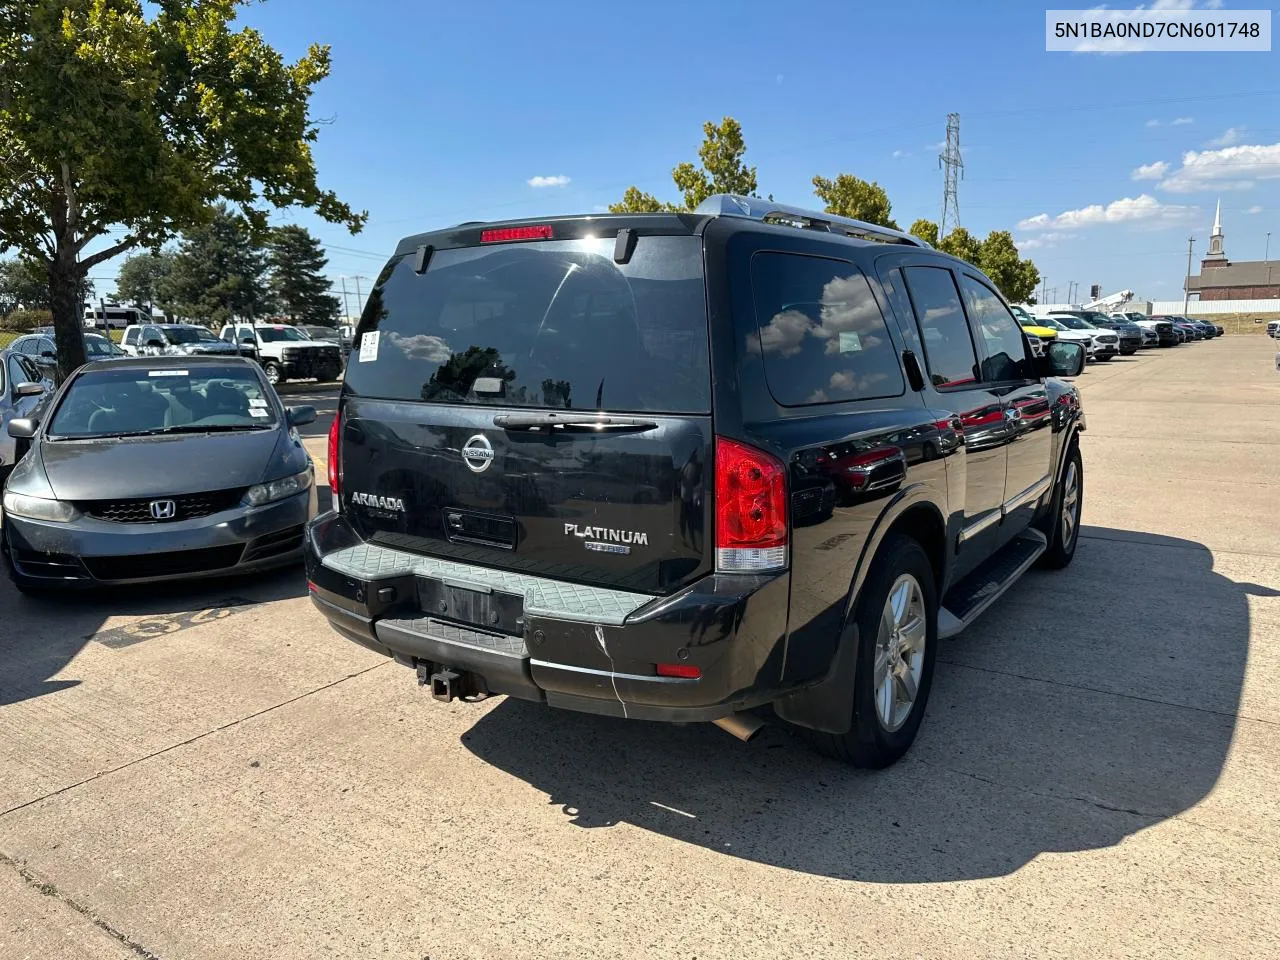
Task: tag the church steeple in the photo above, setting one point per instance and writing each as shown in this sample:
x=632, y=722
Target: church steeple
x=1215, y=238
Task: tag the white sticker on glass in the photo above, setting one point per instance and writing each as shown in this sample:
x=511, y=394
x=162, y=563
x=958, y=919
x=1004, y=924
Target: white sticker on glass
x=849, y=342
x=369, y=345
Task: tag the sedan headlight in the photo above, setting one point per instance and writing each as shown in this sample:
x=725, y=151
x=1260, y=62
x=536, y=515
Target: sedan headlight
x=39, y=508
x=262, y=493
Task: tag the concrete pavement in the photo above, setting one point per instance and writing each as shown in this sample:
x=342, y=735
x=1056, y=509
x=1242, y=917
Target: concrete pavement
x=214, y=774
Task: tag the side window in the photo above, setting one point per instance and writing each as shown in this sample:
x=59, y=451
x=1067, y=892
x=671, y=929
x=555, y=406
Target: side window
x=131, y=336
x=47, y=346
x=1006, y=347
x=151, y=333
x=22, y=346
x=948, y=348
x=821, y=332
x=229, y=334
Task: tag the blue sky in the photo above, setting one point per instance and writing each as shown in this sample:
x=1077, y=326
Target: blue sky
x=443, y=112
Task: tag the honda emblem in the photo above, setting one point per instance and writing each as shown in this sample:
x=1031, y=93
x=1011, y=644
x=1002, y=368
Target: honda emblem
x=163, y=509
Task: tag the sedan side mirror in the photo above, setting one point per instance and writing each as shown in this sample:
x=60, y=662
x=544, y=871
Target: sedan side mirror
x=300, y=416
x=22, y=428
x=47, y=354
x=28, y=389
x=1062, y=358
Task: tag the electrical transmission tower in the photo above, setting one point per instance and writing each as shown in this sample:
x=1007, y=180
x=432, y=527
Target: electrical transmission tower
x=953, y=166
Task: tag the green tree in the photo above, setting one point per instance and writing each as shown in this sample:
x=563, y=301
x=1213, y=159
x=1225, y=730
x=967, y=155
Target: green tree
x=850, y=196
x=926, y=230
x=218, y=273
x=963, y=244
x=142, y=280
x=1016, y=278
x=122, y=123
x=24, y=282
x=722, y=171
x=299, y=286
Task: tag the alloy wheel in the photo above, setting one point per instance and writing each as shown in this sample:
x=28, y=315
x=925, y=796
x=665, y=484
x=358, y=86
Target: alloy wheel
x=900, y=647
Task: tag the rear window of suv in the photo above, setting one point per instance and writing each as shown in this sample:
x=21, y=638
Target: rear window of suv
x=821, y=332
x=545, y=324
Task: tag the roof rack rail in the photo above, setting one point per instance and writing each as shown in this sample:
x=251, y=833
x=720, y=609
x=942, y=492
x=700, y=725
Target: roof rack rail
x=754, y=208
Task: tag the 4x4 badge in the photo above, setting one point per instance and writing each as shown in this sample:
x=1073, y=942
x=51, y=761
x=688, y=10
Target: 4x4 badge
x=477, y=453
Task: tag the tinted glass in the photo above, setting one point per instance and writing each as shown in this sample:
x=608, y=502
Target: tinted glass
x=23, y=345
x=1006, y=347
x=182, y=334
x=96, y=346
x=948, y=348
x=131, y=400
x=546, y=324
x=131, y=336
x=1073, y=323
x=278, y=334
x=821, y=332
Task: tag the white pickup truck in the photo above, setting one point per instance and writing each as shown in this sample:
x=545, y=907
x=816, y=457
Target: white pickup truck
x=286, y=353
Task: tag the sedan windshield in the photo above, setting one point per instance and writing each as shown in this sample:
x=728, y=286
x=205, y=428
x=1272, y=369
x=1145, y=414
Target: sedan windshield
x=135, y=401
x=98, y=346
x=276, y=334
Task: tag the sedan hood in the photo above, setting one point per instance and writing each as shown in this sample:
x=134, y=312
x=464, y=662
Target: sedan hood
x=126, y=468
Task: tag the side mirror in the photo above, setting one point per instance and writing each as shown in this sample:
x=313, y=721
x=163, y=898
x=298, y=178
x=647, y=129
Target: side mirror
x=28, y=389
x=155, y=343
x=300, y=416
x=22, y=428
x=47, y=354
x=1062, y=358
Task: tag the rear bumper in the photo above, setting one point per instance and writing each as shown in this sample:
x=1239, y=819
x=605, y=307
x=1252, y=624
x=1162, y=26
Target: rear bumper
x=574, y=647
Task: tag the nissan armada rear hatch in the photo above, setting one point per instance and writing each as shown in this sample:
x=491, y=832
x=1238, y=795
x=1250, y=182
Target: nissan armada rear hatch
x=537, y=398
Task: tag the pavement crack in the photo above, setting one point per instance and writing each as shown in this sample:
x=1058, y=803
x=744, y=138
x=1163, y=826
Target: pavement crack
x=48, y=889
x=190, y=740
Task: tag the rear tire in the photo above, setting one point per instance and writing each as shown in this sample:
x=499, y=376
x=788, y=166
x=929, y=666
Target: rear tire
x=884, y=726
x=1062, y=525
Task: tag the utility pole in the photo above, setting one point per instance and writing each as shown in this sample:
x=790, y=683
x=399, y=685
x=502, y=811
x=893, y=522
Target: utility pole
x=359, y=295
x=1266, y=256
x=952, y=164
x=1186, y=286
x=345, y=309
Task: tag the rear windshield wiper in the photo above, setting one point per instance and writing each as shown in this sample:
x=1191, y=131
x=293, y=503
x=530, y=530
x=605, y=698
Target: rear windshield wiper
x=572, y=421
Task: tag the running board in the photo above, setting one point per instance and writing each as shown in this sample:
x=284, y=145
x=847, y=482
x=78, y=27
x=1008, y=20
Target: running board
x=966, y=601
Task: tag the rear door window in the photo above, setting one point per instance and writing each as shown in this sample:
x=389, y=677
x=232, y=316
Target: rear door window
x=821, y=332
x=948, y=347
x=547, y=324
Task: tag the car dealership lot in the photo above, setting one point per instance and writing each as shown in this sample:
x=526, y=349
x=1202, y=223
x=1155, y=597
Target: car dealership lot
x=211, y=772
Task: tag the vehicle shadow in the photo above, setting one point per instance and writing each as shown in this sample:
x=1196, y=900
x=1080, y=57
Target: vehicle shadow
x=40, y=635
x=1050, y=728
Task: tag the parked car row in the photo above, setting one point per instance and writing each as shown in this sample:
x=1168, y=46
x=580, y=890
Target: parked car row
x=1105, y=336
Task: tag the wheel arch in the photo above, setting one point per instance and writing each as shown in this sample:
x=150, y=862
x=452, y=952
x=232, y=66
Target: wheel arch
x=828, y=704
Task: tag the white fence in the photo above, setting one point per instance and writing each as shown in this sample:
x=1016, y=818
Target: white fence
x=1203, y=308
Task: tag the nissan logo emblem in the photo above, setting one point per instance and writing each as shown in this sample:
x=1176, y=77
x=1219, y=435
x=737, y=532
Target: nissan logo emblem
x=477, y=453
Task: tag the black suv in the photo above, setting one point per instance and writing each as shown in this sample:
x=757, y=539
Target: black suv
x=682, y=466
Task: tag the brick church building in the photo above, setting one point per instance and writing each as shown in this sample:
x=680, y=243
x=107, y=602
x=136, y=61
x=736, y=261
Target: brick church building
x=1220, y=279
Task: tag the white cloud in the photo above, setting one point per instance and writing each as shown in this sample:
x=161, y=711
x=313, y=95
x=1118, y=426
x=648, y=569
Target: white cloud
x=1150, y=171
x=1153, y=123
x=778, y=79
x=1232, y=168
x=1256, y=208
x=557, y=181
x=1043, y=241
x=898, y=154
x=1183, y=121
x=1144, y=209
x=1230, y=137
x=600, y=208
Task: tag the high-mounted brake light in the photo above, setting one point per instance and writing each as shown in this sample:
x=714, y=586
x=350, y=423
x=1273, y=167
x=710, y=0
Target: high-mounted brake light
x=506, y=234
x=751, y=509
x=335, y=451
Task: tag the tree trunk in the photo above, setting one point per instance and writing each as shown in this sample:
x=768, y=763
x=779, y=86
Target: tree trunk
x=65, y=278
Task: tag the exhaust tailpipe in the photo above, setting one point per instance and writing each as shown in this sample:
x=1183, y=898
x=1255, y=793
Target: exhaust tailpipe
x=744, y=726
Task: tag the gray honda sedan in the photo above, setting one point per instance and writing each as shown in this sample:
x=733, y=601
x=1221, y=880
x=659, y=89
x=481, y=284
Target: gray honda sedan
x=157, y=468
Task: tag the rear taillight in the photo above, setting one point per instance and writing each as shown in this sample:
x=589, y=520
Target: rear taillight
x=751, y=509
x=335, y=451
